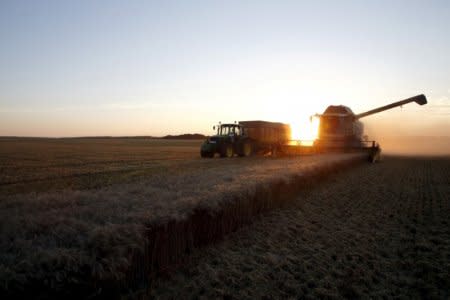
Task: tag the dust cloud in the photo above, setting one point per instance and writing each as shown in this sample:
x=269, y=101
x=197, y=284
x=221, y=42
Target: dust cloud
x=413, y=129
x=416, y=145
x=410, y=136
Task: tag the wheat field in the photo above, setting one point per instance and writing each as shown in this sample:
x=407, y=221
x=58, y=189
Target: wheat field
x=87, y=213
x=377, y=231
x=40, y=165
x=114, y=217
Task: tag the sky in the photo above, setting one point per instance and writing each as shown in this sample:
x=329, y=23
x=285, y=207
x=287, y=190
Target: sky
x=125, y=68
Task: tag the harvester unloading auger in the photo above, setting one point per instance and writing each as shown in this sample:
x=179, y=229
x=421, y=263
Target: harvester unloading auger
x=339, y=130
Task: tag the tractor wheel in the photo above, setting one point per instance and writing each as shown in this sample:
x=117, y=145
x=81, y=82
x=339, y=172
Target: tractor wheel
x=206, y=154
x=227, y=151
x=247, y=149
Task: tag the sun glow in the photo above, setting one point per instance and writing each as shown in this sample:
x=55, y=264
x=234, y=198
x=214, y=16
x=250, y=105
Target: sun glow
x=306, y=131
x=304, y=126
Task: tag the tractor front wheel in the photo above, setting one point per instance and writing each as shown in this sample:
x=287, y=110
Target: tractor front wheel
x=206, y=154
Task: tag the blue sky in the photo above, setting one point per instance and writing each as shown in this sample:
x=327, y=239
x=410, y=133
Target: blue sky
x=72, y=68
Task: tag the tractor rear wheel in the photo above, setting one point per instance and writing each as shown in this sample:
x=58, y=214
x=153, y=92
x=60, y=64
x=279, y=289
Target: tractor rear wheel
x=227, y=151
x=247, y=149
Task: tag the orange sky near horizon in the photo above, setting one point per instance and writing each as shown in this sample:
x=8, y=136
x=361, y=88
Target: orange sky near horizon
x=154, y=68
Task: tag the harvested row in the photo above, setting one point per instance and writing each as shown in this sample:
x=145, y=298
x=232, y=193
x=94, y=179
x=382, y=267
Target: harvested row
x=87, y=242
x=168, y=243
x=376, y=231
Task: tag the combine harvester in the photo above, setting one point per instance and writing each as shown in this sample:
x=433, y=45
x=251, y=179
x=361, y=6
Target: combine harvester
x=339, y=131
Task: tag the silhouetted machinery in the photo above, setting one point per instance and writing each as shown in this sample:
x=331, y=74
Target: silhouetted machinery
x=340, y=128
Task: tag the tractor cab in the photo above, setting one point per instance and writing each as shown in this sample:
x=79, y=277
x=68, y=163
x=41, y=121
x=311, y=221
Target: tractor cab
x=229, y=139
x=229, y=130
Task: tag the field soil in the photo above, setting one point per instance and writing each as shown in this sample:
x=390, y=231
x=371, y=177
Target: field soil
x=376, y=231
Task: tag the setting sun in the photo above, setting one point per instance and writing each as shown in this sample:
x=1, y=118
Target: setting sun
x=305, y=130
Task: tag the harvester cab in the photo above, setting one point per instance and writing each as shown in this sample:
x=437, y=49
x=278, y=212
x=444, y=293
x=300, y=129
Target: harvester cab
x=340, y=128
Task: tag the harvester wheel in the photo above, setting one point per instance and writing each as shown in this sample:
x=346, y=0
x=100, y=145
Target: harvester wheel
x=227, y=151
x=375, y=155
